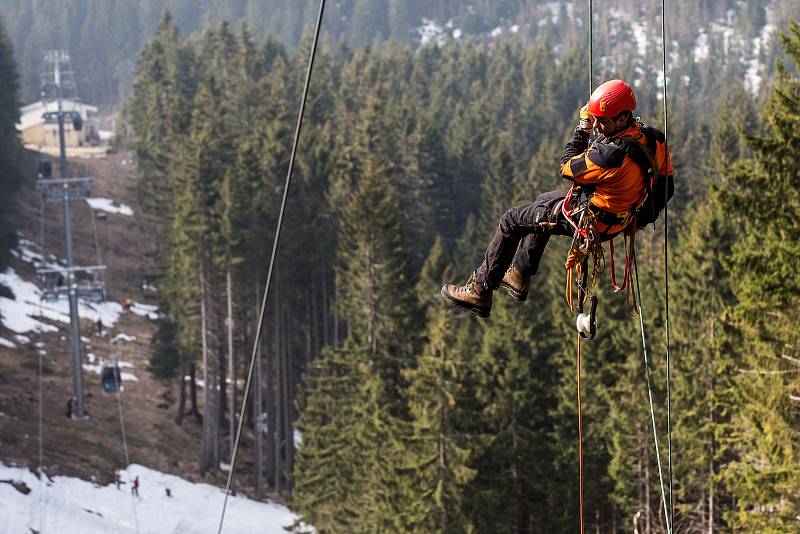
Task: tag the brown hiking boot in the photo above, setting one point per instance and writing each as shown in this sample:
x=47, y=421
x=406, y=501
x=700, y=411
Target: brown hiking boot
x=471, y=295
x=516, y=284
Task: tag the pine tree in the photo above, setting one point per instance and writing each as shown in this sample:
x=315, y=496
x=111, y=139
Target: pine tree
x=9, y=142
x=763, y=196
x=327, y=480
x=159, y=115
x=705, y=362
x=441, y=440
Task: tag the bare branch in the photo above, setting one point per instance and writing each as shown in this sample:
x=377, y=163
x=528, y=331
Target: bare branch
x=761, y=372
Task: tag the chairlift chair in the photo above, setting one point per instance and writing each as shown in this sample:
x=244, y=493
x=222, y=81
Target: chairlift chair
x=89, y=283
x=111, y=378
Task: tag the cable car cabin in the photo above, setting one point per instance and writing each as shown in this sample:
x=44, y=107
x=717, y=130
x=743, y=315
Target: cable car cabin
x=111, y=378
x=89, y=283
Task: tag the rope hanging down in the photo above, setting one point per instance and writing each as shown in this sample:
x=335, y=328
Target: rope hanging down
x=636, y=298
x=667, y=515
x=272, y=263
x=666, y=265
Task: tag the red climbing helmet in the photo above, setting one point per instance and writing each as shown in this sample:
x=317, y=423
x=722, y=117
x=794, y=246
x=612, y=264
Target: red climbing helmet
x=612, y=98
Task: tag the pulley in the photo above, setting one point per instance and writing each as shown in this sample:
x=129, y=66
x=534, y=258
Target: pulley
x=586, y=323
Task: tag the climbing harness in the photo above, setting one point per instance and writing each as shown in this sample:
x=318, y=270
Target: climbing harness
x=273, y=256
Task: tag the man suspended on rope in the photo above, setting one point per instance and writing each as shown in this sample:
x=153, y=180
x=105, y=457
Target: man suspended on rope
x=624, y=176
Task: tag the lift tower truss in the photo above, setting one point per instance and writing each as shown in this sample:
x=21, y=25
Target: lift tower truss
x=71, y=282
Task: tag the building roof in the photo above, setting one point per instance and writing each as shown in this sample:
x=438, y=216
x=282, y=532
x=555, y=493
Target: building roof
x=31, y=115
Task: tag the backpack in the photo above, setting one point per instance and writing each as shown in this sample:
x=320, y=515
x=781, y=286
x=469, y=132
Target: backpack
x=660, y=188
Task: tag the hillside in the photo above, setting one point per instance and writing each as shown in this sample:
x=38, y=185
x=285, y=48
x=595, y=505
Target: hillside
x=73, y=505
x=93, y=447
x=718, y=35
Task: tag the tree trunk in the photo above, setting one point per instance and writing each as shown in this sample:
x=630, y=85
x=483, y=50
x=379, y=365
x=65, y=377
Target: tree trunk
x=711, y=475
x=222, y=390
x=193, y=410
x=309, y=313
x=181, y=395
x=647, y=490
x=324, y=305
x=209, y=456
x=516, y=485
x=277, y=384
x=336, y=316
x=258, y=424
x=443, y=520
x=287, y=402
x=231, y=362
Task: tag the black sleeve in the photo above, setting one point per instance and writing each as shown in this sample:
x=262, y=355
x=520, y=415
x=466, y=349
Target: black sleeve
x=577, y=144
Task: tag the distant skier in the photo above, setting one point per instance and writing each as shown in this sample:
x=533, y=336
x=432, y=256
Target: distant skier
x=99, y=327
x=135, y=487
x=117, y=480
x=127, y=302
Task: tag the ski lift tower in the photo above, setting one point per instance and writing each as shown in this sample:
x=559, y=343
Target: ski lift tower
x=58, y=85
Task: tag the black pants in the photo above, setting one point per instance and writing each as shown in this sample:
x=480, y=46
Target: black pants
x=520, y=238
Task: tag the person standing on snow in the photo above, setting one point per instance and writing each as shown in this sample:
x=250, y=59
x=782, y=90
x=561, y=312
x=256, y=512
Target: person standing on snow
x=621, y=174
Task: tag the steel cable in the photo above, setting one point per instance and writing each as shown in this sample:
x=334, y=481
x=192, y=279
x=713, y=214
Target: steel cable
x=271, y=267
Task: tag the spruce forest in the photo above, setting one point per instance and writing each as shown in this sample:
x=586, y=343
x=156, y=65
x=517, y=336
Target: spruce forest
x=387, y=412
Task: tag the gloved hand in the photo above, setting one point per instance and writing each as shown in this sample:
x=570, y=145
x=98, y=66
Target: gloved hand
x=587, y=121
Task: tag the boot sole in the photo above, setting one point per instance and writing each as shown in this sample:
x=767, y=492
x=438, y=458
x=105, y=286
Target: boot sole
x=514, y=293
x=483, y=313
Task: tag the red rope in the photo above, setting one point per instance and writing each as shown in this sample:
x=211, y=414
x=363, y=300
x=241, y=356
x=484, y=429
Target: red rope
x=628, y=255
x=580, y=433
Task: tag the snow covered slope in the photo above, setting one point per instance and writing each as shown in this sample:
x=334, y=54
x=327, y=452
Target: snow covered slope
x=73, y=506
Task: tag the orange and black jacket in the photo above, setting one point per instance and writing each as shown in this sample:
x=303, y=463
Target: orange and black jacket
x=605, y=168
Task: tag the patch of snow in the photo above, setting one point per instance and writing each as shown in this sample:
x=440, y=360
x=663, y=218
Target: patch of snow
x=26, y=252
x=41, y=352
x=752, y=78
x=514, y=28
x=431, y=33
x=107, y=205
x=496, y=32
x=297, y=436
x=457, y=33
x=640, y=36
x=7, y=343
x=91, y=357
x=21, y=314
x=105, y=135
x=123, y=337
x=72, y=505
x=145, y=310
x=24, y=339
x=86, y=340
x=554, y=10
